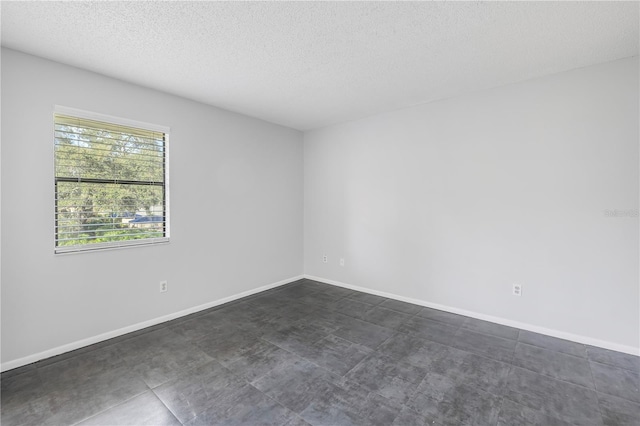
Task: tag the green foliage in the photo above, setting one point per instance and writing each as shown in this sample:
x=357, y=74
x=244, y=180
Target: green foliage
x=98, y=212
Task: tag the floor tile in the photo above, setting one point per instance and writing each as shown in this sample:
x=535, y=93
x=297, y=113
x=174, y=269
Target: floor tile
x=294, y=292
x=320, y=299
x=407, y=417
x=333, y=353
x=311, y=285
x=364, y=333
x=77, y=369
x=273, y=306
x=552, y=343
x=32, y=411
x=482, y=344
x=617, y=359
x=432, y=330
x=238, y=316
x=338, y=291
x=289, y=315
x=414, y=350
x=473, y=370
x=299, y=335
x=404, y=307
x=618, y=412
x=392, y=379
x=226, y=345
x=17, y=371
x=244, y=406
x=331, y=411
x=452, y=402
x=386, y=317
x=104, y=390
x=371, y=299
x=514, y=414
x=616, y=381
x=196, y=389
x=296, y=384
x=255, y=363
x=201, y=326
x=326, y=320
x=339, y=406
x=267, y=299
x=442, y=316
x=491, y=328
x=296, y=421
x=551, y=397
x=73, y=404
x=20, y=388
x=558, y=365
x=160, y=356
x=144, y=409
x=350, y=307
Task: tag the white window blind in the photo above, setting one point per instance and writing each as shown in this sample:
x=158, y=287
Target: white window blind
x=110, y=185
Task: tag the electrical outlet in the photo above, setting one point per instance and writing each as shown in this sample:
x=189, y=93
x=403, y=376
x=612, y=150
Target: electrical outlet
x=341, y=262
x=517, y=290
x=164, y=286
x=324, y=258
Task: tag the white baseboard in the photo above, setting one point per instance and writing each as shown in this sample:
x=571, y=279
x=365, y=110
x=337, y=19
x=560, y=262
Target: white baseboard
x=139, y=326
x=9, y=365
x=503, y=321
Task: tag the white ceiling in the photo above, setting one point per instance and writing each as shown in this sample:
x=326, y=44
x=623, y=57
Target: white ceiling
x=307, y=65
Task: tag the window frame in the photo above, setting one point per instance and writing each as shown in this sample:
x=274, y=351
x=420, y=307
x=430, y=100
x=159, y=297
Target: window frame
x=119, y=121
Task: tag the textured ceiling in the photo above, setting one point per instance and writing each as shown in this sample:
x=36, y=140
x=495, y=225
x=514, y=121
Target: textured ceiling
x=307, y=65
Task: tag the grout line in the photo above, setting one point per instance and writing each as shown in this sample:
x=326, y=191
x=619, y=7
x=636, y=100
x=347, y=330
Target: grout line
x=554, y=378
x=277, y=402
x=614, y=366
x=593, y=380
x=115, y=405
x=166, y=406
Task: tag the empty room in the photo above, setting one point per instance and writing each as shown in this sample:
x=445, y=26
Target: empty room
x=320, y=213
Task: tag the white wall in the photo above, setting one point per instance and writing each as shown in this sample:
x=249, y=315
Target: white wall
x=449, y=203
x=236, y=212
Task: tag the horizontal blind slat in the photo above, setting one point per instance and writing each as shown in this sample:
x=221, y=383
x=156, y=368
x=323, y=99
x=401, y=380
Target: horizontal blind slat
x=110, y=189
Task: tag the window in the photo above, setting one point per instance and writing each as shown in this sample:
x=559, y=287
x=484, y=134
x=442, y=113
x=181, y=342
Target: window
x=111, y=182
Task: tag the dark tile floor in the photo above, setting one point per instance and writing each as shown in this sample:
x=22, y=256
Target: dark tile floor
x=311, y=353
